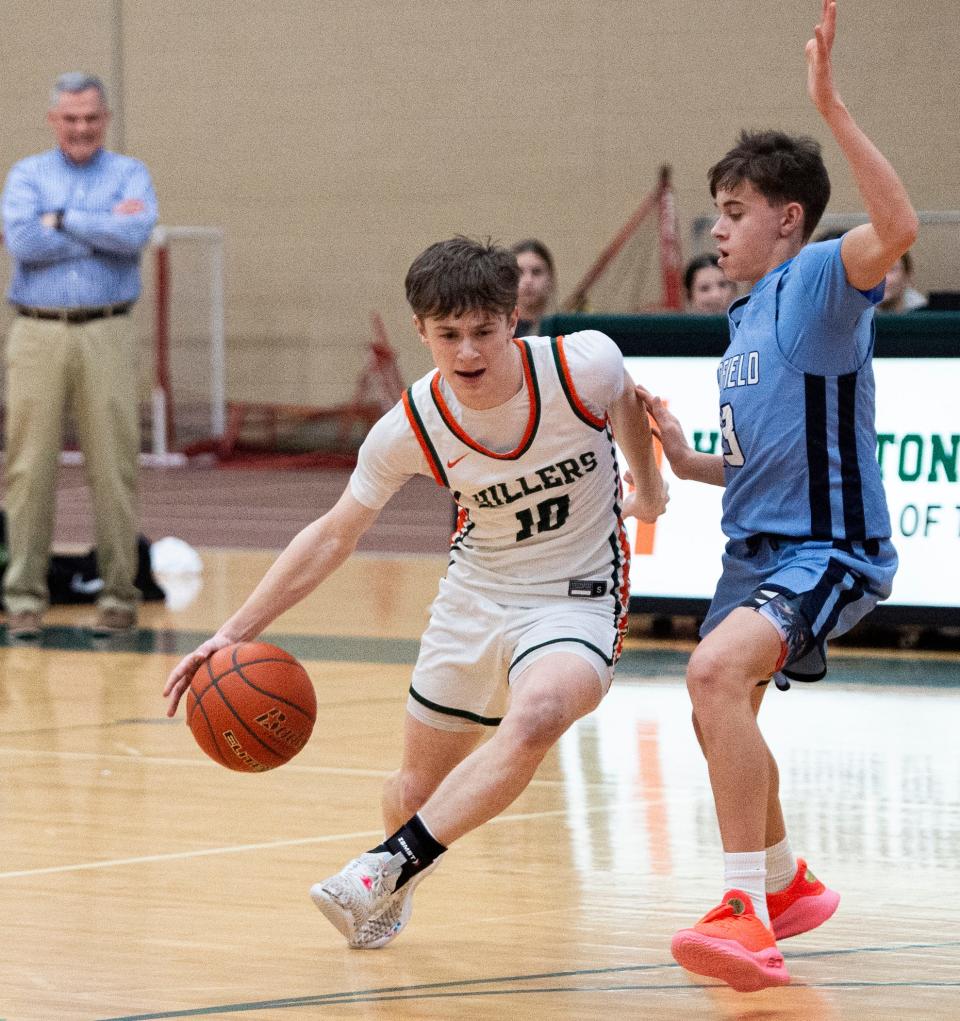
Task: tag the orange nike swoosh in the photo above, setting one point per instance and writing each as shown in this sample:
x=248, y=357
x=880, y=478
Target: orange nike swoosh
x=456, y=461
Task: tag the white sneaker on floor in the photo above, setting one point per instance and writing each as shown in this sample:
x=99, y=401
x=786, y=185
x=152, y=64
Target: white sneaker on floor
x=359, y=891
x=380, y=929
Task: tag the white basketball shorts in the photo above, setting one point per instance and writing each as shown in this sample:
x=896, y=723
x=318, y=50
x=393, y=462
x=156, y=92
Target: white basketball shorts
x=474, y=647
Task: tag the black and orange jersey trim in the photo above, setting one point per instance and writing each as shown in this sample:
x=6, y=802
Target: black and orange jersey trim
x=463, y=527
x=533, y=417
x=620, y=577
x=566, y=381
x=620, y=546
x=429, y=451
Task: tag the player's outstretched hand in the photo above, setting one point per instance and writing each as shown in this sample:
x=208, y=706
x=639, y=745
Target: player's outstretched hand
x=182, y=674
x=668, y=429
x=820, y=84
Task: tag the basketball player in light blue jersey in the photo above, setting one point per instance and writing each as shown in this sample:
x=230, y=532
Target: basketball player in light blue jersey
x=809, y=551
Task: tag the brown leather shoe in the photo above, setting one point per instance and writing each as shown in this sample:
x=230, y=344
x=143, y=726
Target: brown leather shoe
x=23, y=626
x=113, y=621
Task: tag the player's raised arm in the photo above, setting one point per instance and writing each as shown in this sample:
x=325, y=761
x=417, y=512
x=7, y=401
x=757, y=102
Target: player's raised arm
x=313, y=554
x=631, y=427
x=871, y=249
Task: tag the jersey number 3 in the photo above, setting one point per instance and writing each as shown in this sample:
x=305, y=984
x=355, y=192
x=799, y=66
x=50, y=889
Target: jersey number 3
x=551, y=515
x=732, y=453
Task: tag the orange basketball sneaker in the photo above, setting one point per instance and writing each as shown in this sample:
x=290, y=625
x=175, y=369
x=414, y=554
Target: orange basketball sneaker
x=803, y=905
x=730, y=943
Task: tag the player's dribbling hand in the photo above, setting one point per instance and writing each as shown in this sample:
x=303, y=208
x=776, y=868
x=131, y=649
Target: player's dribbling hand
x=182, y=674
x=818, y=52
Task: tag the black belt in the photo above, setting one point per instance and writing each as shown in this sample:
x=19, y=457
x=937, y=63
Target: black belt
x=75, y=315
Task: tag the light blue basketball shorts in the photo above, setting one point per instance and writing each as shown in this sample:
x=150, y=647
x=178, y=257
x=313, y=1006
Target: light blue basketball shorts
x=811, y=590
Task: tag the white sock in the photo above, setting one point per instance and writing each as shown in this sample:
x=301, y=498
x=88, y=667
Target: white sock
x=781, y=866
x=747, y=871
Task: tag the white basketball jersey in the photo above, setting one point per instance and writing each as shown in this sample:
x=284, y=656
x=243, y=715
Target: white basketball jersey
x=541, y=520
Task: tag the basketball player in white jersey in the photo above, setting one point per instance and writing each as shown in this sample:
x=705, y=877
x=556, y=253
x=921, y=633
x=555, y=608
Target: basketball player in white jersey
x=528, y=624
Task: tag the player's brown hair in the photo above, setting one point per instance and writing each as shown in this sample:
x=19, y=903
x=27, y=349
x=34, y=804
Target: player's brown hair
x=783, y=168
x=462, y=275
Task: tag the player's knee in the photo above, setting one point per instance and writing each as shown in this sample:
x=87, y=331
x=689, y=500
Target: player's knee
x=539, y=722
x=711, y=676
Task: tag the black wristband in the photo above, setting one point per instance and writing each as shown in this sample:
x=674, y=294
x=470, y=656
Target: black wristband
x=58, y=219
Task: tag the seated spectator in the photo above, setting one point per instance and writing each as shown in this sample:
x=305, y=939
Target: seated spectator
x=537, y=284
x=709, y=292
x=899, y=294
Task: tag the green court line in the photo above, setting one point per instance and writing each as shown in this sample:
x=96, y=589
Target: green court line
x=645, y=663
x=469, y=987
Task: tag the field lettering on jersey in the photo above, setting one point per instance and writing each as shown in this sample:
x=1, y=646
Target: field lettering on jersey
x=733, y=371
x=553, y=475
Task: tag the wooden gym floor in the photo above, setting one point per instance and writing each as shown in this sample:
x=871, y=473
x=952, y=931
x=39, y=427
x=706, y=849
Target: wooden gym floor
x=140, y=880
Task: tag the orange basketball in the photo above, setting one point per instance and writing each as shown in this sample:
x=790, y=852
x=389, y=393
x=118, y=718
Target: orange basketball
x=251, y=707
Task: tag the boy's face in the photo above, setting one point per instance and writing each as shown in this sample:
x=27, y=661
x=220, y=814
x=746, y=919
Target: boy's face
x=753, y=236
x=475, y=354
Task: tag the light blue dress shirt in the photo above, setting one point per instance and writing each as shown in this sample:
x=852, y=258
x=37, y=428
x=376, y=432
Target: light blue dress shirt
x=94, y=259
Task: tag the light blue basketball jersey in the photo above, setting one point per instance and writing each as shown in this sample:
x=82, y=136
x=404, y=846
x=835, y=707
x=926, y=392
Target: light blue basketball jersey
x=797, y=406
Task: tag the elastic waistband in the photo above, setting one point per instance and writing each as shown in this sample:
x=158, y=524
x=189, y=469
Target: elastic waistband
x=753, y=543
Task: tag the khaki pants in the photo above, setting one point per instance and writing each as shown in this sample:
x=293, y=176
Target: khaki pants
x=90, y=368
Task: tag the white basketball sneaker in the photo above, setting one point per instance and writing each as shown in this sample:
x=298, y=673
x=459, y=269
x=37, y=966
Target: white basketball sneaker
x=380, y=929
x=359, y=891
